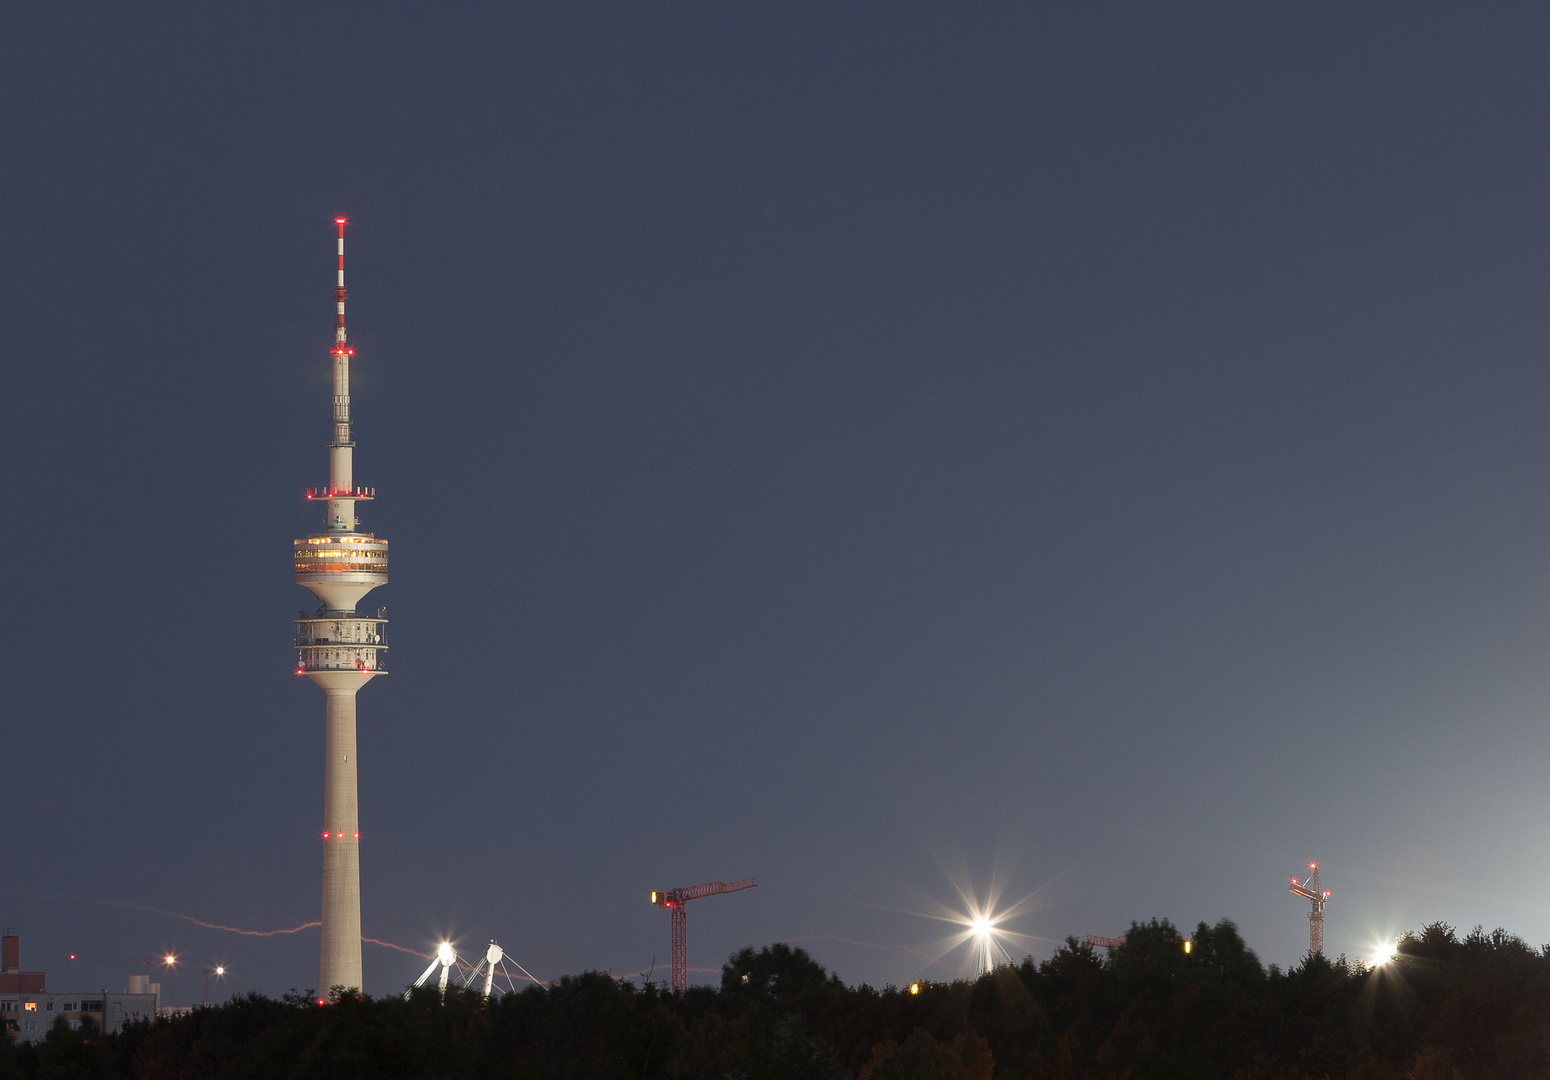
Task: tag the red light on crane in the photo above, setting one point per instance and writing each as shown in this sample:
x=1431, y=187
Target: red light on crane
x=1317, y=897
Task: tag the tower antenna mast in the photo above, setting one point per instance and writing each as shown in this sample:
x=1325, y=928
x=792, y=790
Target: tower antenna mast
x=340, y=651
x=340, y=337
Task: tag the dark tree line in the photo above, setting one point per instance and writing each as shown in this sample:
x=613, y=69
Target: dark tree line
x=1446, y=1008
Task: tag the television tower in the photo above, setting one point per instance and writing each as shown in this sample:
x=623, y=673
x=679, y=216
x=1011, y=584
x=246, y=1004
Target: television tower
x=341, y=652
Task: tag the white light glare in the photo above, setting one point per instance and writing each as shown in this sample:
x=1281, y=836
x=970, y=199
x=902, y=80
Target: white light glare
x=1382, y=954
x=445, y=954
x=982, y=926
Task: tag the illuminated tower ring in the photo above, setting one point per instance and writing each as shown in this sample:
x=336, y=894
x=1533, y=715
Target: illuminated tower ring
x=341, y=651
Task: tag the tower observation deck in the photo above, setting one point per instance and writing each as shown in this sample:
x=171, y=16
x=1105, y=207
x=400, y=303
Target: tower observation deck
x=341, y=651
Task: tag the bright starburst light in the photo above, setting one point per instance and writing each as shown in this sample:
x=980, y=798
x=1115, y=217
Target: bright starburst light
x=982, y=926
x=1382, y=953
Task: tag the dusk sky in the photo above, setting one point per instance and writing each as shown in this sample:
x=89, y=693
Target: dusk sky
x=879, y=449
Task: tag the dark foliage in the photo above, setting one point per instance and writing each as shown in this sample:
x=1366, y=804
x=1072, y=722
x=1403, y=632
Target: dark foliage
x=1446, y=1008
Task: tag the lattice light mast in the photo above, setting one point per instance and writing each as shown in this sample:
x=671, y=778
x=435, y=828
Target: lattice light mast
x=674, y=900
x=341, y=652
x=1309, y=890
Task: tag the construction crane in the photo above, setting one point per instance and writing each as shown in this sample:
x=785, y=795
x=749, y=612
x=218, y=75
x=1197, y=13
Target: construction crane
x=674, y=900
x=1309, y=890
x=166, y=958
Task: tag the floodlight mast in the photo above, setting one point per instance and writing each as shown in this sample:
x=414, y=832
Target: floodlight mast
x=1309, y=890
x=674, y=900
x=445, y=957
x=487, y=963
x=492, y=956
x=341, y=652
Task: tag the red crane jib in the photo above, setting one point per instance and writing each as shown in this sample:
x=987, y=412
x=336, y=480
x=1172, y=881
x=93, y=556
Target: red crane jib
x=694, y=892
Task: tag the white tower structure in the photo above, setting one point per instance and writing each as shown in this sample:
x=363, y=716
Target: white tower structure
x=341, y=651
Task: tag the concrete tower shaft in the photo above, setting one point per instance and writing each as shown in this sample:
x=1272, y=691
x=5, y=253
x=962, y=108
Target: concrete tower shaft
x=340, y=952
x=340, y=651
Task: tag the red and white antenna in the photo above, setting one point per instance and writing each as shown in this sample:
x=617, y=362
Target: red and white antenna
x=339, y=294
x=341, y=493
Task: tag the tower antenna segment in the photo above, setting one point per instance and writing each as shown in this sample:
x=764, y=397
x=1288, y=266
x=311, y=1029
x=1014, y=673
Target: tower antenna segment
x=1309, y=890
x=340, y=651
x=674, y=900
x=339, y=294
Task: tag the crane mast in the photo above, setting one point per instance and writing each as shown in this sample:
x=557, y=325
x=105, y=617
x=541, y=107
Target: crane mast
x=1309, y=890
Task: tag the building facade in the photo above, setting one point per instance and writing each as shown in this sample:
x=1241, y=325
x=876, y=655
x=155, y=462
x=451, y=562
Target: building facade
x=27, y=1017
x=28, y=1009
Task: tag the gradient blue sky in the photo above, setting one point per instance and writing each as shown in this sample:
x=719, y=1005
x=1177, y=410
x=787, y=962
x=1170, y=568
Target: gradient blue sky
x=870, y=447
